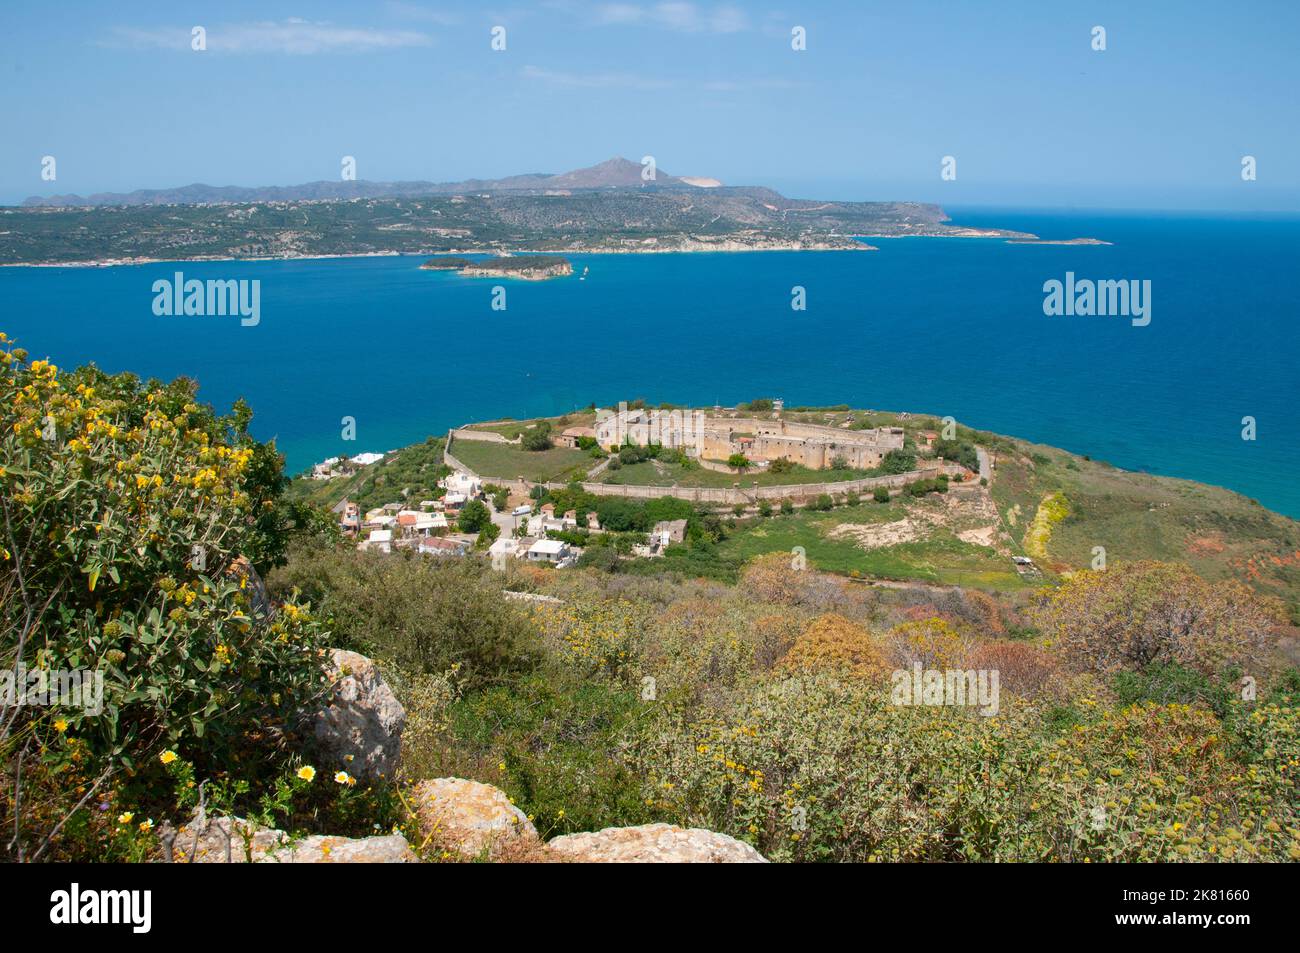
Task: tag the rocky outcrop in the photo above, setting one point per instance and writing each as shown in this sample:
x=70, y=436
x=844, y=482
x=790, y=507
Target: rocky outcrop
x=254, y=588
x=654, y=844
x=470, y=818
x=359, y=726
x=233, y=840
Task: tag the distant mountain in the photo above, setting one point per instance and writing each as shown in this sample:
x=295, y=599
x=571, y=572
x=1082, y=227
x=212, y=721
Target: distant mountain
x=613, y=173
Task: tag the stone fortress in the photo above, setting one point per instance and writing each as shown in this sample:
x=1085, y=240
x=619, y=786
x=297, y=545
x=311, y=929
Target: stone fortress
x=716, y=437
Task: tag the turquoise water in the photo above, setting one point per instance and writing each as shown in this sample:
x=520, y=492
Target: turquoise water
x=942, y=326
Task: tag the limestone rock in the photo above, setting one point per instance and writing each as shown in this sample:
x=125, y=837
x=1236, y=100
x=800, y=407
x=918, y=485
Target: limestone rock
x=237, y=841
x=655, y=844
x=222, y=840
x=359, y=727
x=470, y=818
x=325, y=849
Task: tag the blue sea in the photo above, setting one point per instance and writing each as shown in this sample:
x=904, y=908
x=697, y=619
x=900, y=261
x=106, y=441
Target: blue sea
x=938, y=326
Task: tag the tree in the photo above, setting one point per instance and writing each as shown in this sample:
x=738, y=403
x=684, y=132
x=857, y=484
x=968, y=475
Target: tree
x=898, y=461
x=474, y=517
x=1134, y=615
x=738, y=461
x=537, y=438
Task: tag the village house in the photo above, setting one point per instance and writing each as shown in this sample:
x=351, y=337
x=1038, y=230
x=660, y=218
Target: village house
x=349, y=516
x=554, y=551
x=502, y=549
x=325, y=469
x=570, y=436
x=670, y=531
x=380, y=539
x=461, y=483
x=439, y=546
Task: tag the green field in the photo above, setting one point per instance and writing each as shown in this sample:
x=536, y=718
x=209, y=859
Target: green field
x=939, y=558
x=508, y=460
x=657, y=473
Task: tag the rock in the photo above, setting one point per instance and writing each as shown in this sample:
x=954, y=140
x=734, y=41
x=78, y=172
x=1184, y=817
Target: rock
x=324, y=849
x=359, y=727
x=221, y=840
x=251, y=582
x=470, y=818
x=237, y=841
x=655, y=844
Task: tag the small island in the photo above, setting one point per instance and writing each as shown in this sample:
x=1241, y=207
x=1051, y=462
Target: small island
x=1056, y=241
x=526, y=267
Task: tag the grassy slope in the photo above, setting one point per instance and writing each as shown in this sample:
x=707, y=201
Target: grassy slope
x=940, y=557
x=1219, y=533
x=509, y=460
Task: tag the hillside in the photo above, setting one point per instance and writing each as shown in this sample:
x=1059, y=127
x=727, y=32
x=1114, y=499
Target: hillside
x=596, y=210
x=934, y=539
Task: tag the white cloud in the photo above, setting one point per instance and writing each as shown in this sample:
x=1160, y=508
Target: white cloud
x=640, y=81
x=294, y=36
x=594, y=80
x=679, y=16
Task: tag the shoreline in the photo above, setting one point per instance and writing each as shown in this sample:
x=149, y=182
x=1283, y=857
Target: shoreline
x=1009, y=237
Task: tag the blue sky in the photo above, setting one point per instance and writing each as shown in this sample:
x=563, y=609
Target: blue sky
x=1013, y=90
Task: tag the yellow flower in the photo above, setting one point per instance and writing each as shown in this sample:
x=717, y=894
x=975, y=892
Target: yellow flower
x=307, y=772
x=167, y=757
x=60, y=724
x=146, y=826
x=125, y=817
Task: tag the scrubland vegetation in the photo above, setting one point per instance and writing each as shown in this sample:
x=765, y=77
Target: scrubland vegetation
x=1147, y=711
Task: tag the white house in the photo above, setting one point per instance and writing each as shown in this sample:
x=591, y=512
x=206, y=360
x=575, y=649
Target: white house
x=461, y=482
x=365, y=459
x=548, y=551
x=501, y=550
x=381, y=539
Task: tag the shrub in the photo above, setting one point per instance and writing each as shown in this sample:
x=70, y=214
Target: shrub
x=933, y=642
x=898, y=461
x=880, y=494
x=423, y=615
x=1025, y=669
x=1130, y=616
x=833, y=643
x=537, y=437
x=126, y=510
x=787, y=507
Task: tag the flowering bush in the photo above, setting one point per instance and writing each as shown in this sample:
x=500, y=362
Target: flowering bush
x=125, y=510
x=833, y=643
x=1134, y=615
x=818, y=768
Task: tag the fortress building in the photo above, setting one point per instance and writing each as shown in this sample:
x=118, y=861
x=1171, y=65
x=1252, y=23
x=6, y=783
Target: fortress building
x=714, y=437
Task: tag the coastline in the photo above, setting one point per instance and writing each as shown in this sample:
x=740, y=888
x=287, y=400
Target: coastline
x=850, y=244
